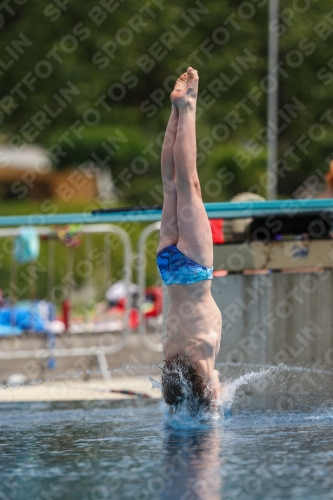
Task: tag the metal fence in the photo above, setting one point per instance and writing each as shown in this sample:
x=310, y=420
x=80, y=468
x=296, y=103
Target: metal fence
x=58, y=292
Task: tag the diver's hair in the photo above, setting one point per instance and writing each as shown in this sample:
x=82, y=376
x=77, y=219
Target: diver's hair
x=181, y=381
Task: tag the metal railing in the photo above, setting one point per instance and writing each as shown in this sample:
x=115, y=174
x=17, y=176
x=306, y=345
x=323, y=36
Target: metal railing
x=97, y=351
x=142, y=271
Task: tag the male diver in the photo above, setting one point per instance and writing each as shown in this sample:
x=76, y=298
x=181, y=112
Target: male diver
x=185, y=262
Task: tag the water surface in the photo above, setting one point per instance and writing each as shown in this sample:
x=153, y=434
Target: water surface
x=129, y=450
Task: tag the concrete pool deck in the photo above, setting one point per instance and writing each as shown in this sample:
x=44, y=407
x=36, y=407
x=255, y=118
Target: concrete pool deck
x=78, y=390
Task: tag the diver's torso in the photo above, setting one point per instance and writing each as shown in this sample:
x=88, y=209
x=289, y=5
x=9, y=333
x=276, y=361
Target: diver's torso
x=194, y=322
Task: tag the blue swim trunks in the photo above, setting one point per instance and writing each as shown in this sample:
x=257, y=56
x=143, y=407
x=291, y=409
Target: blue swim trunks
x=175, y=268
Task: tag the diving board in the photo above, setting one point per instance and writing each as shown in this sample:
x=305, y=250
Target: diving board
x=224, y=210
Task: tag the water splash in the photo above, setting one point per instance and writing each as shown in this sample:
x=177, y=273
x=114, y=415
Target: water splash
x=184, y=418
x=128, y=369
x=229, y=389
x=155, y=384
x=291, y=368
x=262, y=375
x=265, y=374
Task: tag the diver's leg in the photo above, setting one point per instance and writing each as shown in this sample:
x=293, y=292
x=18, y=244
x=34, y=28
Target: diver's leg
x=195, y=237
x=169, y=228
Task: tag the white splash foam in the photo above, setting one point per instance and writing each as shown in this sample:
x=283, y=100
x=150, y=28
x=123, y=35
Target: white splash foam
x=155, y=384
x=182, y=418
x=229, y=389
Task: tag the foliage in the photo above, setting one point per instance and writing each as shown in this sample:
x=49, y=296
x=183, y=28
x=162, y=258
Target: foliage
x=97, y=49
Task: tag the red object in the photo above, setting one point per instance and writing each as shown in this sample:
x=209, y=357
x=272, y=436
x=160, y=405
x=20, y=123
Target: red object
x=116, y=310
x=155, y=292
x=133, y=316
x=133, y=319
x=66, y=309
x=122, y=303
x=216, y=226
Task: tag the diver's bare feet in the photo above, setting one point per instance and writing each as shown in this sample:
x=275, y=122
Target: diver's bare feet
x=186, y=89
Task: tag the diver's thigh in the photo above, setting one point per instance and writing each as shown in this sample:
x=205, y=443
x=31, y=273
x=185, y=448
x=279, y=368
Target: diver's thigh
x=195, y=237
x=169, y=226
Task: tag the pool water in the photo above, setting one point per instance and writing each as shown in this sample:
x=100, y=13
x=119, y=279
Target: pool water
x=131, y=450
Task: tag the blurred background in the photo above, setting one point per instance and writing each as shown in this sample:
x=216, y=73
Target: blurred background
x=85, y=100
x=89, y=85
x=84, y=105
